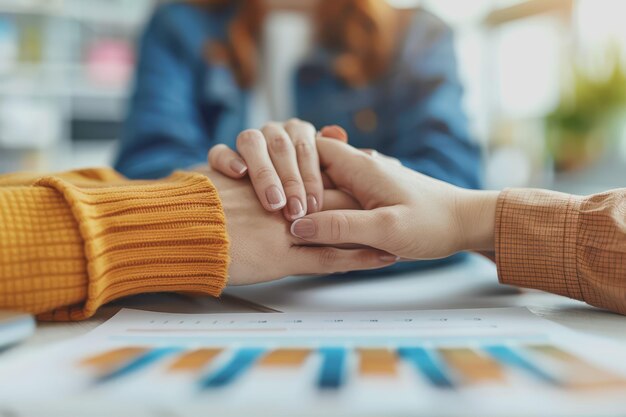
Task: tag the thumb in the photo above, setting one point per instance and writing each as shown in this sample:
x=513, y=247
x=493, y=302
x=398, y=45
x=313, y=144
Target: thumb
x=363, y=227
x=342, y=163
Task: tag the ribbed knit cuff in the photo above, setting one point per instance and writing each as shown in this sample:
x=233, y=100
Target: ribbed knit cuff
x=139, y=237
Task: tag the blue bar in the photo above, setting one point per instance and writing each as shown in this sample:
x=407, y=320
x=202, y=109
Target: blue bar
x=332, y=374
x=509, y=357
x=239, y=364
x=139, y=363
x=424, y=362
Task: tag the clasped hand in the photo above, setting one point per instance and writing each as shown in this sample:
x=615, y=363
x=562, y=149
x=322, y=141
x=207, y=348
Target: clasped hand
x=349, y=209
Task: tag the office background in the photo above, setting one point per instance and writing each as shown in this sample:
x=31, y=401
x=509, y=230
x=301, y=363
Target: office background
x=545, y=85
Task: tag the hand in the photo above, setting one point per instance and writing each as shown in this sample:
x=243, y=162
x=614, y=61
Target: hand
x=407, y=214
x=262, y=249
x=282, y=162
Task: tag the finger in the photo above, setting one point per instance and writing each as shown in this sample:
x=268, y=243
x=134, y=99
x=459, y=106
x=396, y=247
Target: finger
x=328, y=183
x=344, y=163
x=371, y=152
x=388, y=159
x=303, y=137
x=335, y=132
x=338, y=200
x=267, y=185
x=375, y=154
x=332, y=132
x=316, y=260
x=226, y=161
x=283, y=155
x=364, y=227
x=391, y=159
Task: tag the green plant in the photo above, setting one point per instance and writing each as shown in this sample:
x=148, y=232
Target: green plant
x=579, y=128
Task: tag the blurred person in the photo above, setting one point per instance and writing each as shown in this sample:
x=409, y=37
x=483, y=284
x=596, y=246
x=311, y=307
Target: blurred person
x=73, y=241
x=210, y=69
x=565, y=244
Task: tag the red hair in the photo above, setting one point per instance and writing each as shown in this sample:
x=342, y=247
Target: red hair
x=360, y=32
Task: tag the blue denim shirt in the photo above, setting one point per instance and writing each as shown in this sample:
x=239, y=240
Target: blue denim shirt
x=183, y=104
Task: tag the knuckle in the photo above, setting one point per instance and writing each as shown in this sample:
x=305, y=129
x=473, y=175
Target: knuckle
x=214, y=152
x=309, y=126
x=390, y=220
x=218, y=155
x=280, y=144
x=305, y=149
x=328, y=257
x=365, y=258
x=263, y=174
x=219, y=147
x=368, y=160
x=339, y=227
x=249, y=139
x=272, y=125
x=290, y=183
x=294, y=121
x=311, y=179
x=366, y=164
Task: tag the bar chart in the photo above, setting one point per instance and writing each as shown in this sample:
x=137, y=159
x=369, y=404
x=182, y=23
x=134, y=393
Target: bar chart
x=441, y=363
x=442, y=368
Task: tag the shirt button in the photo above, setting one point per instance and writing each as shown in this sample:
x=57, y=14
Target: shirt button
x=366, y=120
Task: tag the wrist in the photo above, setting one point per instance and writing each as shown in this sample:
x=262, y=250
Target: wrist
x=476, y=211
x=203, y=169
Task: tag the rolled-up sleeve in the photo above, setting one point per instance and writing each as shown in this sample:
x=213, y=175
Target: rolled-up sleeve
x=568, y=245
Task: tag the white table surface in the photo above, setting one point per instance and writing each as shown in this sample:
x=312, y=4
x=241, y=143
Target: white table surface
x=472, y=284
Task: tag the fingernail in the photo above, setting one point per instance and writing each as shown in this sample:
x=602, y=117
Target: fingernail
x=312, y=204
x=303, y=228
x=275, y=197
x=238, y=166
x=389, y=258
x=295, y=208
x=336, y=132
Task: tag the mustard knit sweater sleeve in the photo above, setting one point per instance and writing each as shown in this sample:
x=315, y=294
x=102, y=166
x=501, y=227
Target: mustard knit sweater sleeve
x=72, y=242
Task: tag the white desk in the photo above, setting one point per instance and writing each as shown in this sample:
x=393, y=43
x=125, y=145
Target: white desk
x=472, y=284
x=468, y=285
x=52, y=332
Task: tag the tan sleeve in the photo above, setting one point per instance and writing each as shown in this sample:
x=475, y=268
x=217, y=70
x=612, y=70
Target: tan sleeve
x=73, y=242
x=567, y=245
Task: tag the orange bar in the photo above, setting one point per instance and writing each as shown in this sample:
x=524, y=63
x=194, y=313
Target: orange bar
x=113, y=359
x=581, y=374
x=473, y=367
x=285, y=358
x=194, y=360
x=378, y=362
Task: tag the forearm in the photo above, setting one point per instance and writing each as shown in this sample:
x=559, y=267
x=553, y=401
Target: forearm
x=73, y=242
x=477, y=218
